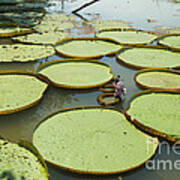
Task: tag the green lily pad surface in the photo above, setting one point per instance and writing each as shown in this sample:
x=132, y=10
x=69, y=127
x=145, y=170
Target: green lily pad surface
x=24, y=53
x=172, y=41
x=158, y=79
x=109, y=24
x=76, y=74
x=149, y=57
x=92, y=140
x=19, y=90
x=20, y=163
x=128, y=36
x=86, y=47
x=42, y=38
x=158, y=111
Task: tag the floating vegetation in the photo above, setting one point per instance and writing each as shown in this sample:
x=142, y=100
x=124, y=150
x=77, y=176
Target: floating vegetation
x=171, y=41
x=149, y=56
x=109, y=24
x=158, y=78
x=108, y=99
x=128, y=36
x=19, y=90
x=86, y=47
x=24, y=52
x=14, y=31
x=41, y=38
x=156, y=112
x=92, y=140
x=55, y=23
x=76, y=74
x=21, y=161
x=169, y=30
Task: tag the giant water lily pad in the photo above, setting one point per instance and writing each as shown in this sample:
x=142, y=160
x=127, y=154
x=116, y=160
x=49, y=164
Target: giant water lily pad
x=24, y=53
x=86, y=47
x=19, y=90
x=109, y=24
x=42, y=38
x=144, y=57
x=156, y=112
x=14, y=31
x=76, y=74
x=158, y=79
x=127, y=36
x=171, y=41
x=55, y=23
x=92, y=140
x=20, y=162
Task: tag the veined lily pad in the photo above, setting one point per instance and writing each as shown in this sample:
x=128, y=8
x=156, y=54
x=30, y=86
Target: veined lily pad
x=21, y=161
x=156, y=112
x=24, y=53
x=144, y=57
x=76, y=74
x=41, y=38
x=109, y=24
x=19, y=90
x=86, y=47
x=158, y=78
x=171, y=41
x=14, y=31
x=127, y=36
x=92, y=140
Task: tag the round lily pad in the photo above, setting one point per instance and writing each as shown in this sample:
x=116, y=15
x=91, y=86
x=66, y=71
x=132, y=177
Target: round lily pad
x=24, y=52
x=41, y=38
x=86, y=47
x=171, y=41
x=21, y=161
x=19, y=91
x=108, y=99
x=76, y=74
x=144, y=57
x=92, y=140
x=127, y=36
x=156, y=112
x=157, y=78
x=14, y=31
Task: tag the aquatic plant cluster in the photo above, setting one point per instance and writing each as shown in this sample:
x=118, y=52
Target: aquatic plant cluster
x=98, y=140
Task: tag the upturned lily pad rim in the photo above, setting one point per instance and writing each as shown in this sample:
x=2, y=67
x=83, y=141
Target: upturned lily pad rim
x=121, y=61
x=68, y=39
x=124, y=30
x=155, y=70
x=19, y=72
x=164, y=45
x=80, y=60
x=30, y=147
x=16, y=33
x=104, y=95
x=154, y=140
x=107, y=88
x=144, y=128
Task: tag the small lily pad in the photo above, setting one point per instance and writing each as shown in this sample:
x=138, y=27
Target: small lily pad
x=127, y=36
x=171, y=41
x=24, y=52
x=76, y=74
x=108, y=99
x=41, y=38
x=156, y=112
x=86, y=47
x=21, y=162
x=148, y=57
x=158, y=79
x=92, y=140
x=19, y=91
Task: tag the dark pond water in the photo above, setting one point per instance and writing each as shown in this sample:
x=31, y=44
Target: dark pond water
x=137, y=13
